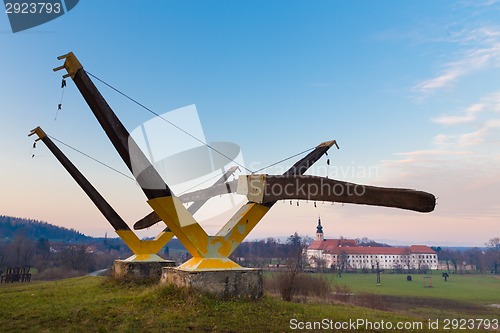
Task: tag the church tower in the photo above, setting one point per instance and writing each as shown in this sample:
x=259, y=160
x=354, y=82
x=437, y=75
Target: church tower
x=319, y=230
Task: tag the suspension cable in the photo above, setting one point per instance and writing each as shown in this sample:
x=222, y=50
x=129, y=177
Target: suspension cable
x=180, y=129
x=166, y=120
x=284, y=160
x=92, y=158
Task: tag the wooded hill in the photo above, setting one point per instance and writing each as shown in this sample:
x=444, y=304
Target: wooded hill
x=34, y=229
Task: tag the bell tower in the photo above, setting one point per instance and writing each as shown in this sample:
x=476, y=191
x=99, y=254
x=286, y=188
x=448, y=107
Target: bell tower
x=319, y=230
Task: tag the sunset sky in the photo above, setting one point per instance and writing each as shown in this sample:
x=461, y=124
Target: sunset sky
x=409, y=89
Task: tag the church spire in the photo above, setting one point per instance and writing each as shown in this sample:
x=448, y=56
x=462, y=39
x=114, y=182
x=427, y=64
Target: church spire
x=319, y=230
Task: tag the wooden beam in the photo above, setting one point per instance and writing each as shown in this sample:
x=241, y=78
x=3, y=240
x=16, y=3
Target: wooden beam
x=104, y=207
x=146, y=175
x=210, y=192
x=305, y=163
x=324, y=189
x=198, y=199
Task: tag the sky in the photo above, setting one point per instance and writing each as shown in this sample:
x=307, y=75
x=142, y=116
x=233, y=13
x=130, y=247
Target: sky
x=409, y=90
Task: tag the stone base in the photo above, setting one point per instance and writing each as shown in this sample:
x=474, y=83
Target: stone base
x=234, y=283
x=123, y=269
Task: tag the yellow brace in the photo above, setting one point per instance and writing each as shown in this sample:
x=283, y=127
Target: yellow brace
x=209, y=252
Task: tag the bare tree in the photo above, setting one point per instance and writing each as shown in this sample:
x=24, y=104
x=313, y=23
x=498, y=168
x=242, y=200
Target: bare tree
x=76, y=258
x=476, y=257
x=341, y=263
x=319, y=263
x=493, y=254
x=295, y=265
x=21, y=251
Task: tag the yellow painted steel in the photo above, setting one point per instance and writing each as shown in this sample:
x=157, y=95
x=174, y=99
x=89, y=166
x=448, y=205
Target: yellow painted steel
x=182, y=223
x=209, y=252
x=145, y=250
x=239, y=226
x=145, y=246
x=206, y=264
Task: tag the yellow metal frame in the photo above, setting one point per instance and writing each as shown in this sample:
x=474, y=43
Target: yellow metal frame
x=209, y=252
x=144, y=250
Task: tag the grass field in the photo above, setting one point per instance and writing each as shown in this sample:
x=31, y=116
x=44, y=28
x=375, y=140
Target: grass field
x=467, y=296
x=478, y=288
x=99, y=304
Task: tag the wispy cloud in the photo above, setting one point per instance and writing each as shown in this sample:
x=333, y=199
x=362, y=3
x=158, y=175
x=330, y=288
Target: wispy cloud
x=430, y=156
x=489, y=103
x=479, y=136
x=480, y=48
x=486, y=134
x=484, y=128
x=485, y=3
x=468, y=116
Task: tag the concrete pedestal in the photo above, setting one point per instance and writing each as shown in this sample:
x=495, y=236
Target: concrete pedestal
x=234, y=283
x=123, y=269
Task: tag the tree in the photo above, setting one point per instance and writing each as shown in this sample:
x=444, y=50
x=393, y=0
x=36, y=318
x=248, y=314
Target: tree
x=341, y=263
x=77, y=258
x=493, y=254
x=476, y=257
x=451, y=256
x=43, y=248
x=406, y=260
x=21, y=251
x=295, y=266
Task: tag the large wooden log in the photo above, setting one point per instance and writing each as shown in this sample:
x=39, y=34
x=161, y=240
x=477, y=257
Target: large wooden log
x=325, y=189
x=302, y=187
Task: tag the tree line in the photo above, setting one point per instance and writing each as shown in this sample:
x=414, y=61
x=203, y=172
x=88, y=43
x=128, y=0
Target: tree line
x=56, y=259
x=34, y=229
x=482, y=260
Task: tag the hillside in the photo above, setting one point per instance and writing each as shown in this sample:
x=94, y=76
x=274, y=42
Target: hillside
x=33, y=229
x=10, y=227
x=98, y=304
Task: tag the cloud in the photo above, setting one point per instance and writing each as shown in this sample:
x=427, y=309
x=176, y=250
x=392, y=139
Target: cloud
x=481, y=49
x=483, y=130
x=462, y=168
x=485, y=3
x=440, y=81
x=481, y=135
x=469, y=115
x=486, y=134
x=426, y=155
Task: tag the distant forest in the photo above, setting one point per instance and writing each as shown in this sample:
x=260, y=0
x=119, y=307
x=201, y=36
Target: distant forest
x=33, y=229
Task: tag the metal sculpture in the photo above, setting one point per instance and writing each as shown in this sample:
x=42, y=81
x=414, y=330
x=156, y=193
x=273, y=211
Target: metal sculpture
x=212, y=252
x=144, y=250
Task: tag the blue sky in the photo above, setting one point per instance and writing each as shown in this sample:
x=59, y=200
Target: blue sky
x=408, y=89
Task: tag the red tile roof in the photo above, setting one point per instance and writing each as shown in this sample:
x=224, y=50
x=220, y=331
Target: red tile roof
x=349, y=246
x=328, y=244
x=422, y=249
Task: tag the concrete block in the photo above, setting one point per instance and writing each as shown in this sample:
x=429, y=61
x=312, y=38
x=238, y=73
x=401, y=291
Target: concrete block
x=240, y=283
x=123, y=269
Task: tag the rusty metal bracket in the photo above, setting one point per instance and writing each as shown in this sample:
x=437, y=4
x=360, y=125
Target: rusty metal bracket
x=71, y=64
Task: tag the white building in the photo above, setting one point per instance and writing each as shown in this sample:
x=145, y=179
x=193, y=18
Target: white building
x=347, y=254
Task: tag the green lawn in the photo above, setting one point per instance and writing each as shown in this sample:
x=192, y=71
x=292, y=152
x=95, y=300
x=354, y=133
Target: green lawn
x=477, y=288
x=98, y=304
x=462, y=296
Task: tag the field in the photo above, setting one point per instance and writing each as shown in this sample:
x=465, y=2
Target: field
x=464, y=296
x=99, y=304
